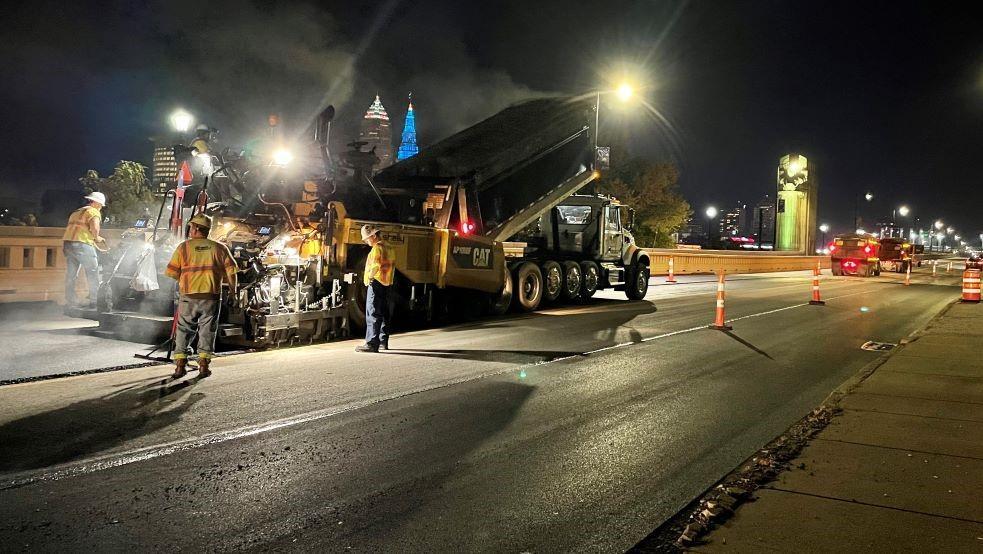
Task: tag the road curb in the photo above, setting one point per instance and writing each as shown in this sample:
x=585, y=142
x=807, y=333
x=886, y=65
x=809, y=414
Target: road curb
x=691, y=526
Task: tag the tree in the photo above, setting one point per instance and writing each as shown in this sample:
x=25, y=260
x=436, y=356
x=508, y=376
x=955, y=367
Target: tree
x=128, y=195
x=652, y=190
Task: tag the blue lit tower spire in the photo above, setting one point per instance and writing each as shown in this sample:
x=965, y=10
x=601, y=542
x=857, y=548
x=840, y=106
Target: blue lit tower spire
x=407, y=145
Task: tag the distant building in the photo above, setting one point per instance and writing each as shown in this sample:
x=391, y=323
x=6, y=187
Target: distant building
x=763, y=221
x=163, y=171
x=407, y=144
x=377, y=133
x=736, y=222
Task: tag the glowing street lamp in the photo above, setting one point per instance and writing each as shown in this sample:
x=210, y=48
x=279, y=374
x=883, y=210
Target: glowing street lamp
x=625, y=92
x=903, y=211
x=711, y=213
x=181, y=121
x=824, y=228
x=868, y=196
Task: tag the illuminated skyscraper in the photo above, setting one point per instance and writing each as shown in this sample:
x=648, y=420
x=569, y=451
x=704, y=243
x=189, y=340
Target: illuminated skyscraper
x=377, y=133
x=407, y=145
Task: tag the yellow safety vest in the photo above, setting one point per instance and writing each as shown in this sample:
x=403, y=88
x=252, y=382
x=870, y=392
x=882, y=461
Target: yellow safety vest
x=199, y=265
x=380, y=265
x=78, y=225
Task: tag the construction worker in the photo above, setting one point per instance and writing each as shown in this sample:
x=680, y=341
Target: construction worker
x=200, y=266
x=378, y=277
x=80, y=242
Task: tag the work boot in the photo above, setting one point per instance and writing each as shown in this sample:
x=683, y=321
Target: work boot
x=182, y=368
x=203, y=370
x=366, y=348
x=384, y=345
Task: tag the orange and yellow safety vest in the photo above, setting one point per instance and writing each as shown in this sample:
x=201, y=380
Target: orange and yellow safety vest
x=200, y=265
x=380, y=265
x=78, y=229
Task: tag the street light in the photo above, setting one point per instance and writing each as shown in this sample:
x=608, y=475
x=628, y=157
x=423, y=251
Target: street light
x=903, y=211
x=623, y=92
x=824, y=228
x=181, y=121
x=711, y=213
x=856, y=208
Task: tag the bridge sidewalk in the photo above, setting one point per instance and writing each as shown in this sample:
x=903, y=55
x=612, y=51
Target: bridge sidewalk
x=900, y=470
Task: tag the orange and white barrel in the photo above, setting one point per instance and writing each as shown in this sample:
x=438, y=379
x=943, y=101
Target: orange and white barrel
x=971, y=285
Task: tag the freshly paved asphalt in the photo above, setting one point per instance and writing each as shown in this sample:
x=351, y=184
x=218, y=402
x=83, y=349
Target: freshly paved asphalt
x=573, y=429
x=37, y=340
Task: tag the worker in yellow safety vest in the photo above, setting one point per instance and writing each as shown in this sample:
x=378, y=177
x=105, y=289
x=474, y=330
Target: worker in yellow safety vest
x=200, y=266
x=378, y=277
x=79, y=243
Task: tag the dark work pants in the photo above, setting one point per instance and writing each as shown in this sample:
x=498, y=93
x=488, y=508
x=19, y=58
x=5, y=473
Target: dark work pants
x=377, y=314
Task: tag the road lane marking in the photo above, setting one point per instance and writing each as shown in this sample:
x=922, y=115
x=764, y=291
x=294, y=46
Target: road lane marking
x=114, y=460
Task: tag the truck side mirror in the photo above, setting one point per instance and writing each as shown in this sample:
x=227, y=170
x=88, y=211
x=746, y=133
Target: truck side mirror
x=629, y=223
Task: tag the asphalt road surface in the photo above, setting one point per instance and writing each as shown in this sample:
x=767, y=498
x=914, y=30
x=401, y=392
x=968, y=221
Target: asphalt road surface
x=573, y=429
x=38, y=340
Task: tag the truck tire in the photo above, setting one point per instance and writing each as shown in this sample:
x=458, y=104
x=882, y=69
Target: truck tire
x=573, y=280
x=499, y=303
x=527, y=288
x=592, y=277
x=637, y=283
x=552, y=281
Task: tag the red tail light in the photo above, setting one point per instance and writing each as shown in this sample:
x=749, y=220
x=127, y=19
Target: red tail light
x=867, y=249
x=467, y=227
x=832, y=248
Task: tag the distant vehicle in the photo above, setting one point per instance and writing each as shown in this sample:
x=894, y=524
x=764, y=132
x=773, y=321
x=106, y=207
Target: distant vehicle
x=855, y=255
x=974, y=261
x=896, y=255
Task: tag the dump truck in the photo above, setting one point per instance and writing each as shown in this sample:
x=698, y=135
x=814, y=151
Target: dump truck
x=486, y=219
x=896, y=254
x=855, y=255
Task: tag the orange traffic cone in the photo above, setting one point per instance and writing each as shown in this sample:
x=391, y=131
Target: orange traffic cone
x=671, y=279
x=719, y=323
x=816, y=300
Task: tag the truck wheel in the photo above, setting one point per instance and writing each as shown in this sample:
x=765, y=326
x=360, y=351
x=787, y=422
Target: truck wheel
x=552, y=281
x=592, y=276
x=572, y=280
x=499, y=303
x=528, y=286
x=637, y=283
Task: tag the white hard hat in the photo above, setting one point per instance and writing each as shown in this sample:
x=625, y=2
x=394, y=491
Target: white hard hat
x=97, y=197
x=368, y=231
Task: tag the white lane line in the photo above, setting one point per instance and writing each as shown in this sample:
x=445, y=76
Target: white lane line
x=109, y=461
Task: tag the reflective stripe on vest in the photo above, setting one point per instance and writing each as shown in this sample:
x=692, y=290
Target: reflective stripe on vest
x=77, y=229
x=199, y=265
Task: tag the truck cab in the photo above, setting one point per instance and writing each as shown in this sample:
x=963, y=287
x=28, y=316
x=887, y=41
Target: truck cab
x=581, y=245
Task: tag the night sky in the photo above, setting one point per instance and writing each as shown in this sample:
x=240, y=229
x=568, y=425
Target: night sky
x=882, y=96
